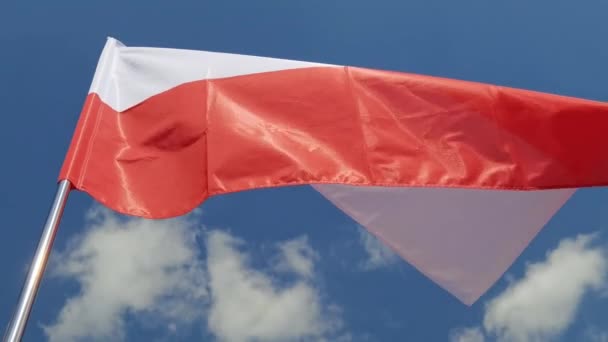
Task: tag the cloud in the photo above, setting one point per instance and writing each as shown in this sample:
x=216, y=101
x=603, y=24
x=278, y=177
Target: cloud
x=152, y=271
x=544, y=303
x=248, y=305
x=148, y=268
x=297, y=256
x=593, y=334
x=378, y=254
x=467, y=335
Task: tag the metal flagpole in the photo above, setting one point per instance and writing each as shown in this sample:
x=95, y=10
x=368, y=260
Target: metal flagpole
x=15, y=330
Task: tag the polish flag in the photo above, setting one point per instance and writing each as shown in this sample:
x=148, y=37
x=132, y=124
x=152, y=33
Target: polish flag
x=456, y=177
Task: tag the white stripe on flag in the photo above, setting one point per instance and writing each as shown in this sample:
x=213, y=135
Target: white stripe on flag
x=137, y=73
x=462, y=239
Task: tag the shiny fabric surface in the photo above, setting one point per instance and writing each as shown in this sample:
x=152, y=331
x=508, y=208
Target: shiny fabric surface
x=333, y=125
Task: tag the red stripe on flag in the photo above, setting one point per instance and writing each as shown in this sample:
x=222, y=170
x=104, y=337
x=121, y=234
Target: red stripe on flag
x=350, y=126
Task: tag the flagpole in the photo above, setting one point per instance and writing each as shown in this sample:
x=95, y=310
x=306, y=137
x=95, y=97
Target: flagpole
x=16, y=328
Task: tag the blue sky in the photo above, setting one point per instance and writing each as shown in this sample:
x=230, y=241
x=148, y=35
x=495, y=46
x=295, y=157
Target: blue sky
x=314, y=265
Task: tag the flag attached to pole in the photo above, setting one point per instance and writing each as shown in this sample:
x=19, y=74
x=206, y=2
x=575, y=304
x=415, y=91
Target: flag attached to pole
x=457, y=177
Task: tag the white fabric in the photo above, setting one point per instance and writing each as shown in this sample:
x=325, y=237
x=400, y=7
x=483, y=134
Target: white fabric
x=462, y=239
x=126, y=76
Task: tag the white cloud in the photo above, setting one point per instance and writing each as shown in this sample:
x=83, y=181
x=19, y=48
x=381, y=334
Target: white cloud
x=297, y=256
x=467, y=335
x=378, y=254
x=545, y=301
x=248, y=305
x=150, y=268
x=594, y=334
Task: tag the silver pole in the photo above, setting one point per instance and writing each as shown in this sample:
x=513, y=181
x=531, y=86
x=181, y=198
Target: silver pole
x=15, y=330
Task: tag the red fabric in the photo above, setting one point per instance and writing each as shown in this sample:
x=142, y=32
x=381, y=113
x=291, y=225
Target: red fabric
x=351, y=126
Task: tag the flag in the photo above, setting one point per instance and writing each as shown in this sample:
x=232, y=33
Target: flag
x=456, y=177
